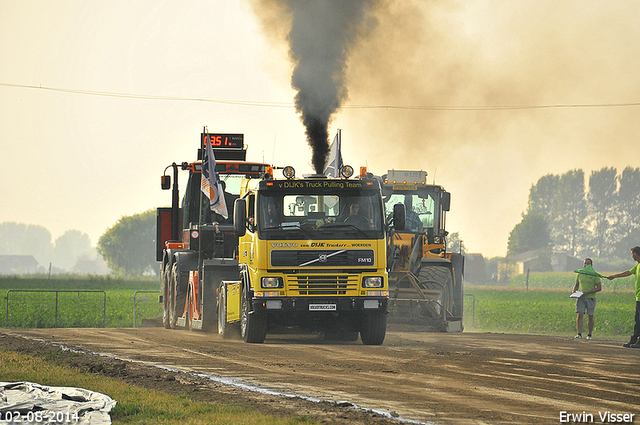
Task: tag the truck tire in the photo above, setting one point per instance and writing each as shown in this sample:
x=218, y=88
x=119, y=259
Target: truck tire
x=166, y=295
x=178, y=297
x=188, y=322
x=437, y=277
x=224, y=329
x=374, y=328
x=253, y=326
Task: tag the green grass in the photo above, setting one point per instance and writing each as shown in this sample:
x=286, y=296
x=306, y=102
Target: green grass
x=111, y=306
x=566, y=280
x=544, y=311
x=545, y=308
x=136, y=405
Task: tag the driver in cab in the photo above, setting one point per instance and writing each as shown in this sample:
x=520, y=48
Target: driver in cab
x=356, y=217
x=272, y=217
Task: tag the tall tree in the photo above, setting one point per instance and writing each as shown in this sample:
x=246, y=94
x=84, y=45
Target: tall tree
x=542, y=197
x=531, y=234
x=454, y=243
x=603, y=196
x=629, y=197
x=129, y=246
x=628, y=228
x=69, y=247
x=603, y=221
x=26, y=239
x=571, y=212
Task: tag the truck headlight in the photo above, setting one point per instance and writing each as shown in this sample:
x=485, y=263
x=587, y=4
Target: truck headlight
x=272, y=282
x=372, y=282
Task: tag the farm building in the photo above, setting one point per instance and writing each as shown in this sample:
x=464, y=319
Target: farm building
x=18, y=264
x=557, y=261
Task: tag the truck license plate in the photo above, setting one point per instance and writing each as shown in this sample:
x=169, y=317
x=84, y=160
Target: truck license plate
x=322, y=307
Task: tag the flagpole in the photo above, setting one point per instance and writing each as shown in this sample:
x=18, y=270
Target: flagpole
x=204, y=145
x=339, y=152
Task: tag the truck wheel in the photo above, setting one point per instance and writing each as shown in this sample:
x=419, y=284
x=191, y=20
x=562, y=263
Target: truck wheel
x=224, y=328
x=166, y=295
x=188, y=317
x=374, y=328
x=253, y=327
x=439, y=278
x=177, y=298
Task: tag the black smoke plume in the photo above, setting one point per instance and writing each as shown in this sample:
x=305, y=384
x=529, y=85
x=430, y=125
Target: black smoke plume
x=322, y=33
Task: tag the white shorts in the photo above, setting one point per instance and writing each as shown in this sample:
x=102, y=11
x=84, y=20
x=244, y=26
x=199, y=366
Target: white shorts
x=588, y=304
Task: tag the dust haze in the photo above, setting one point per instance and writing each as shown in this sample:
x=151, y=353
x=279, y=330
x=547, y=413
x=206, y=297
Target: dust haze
x=427, y=83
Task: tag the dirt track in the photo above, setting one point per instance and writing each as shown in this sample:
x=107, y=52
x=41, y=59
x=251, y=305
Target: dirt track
x=466, y=378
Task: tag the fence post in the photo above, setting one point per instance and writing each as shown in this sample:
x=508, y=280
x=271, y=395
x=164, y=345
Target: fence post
x=473, y=314
x=56, y=322
x=135, y=294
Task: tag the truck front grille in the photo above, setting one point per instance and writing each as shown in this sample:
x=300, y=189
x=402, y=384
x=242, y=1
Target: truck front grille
x=323, y=284
x=323, y=258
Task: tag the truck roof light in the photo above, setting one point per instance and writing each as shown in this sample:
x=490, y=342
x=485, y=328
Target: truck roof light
x=346, y=171
x=363, y=172
x=289, y=172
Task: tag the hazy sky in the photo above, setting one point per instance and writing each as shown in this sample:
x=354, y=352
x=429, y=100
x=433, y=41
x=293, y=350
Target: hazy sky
x=426, y=84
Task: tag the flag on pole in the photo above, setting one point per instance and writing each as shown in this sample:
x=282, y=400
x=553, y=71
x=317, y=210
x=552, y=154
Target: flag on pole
x=335, y=157
x=588, y=270
x=210, y=182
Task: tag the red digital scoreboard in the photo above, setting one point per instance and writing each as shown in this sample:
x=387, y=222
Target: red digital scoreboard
x=225, y=141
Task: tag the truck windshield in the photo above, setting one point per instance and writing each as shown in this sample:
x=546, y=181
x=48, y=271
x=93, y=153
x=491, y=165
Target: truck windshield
x=420, y=209
x=344, y=214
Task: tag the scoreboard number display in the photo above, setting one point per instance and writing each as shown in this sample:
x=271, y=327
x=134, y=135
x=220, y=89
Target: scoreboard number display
x=229, y=141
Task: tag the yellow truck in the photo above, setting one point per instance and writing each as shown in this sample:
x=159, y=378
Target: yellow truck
x=292, y=254
x=425, y=280
x=312, y=256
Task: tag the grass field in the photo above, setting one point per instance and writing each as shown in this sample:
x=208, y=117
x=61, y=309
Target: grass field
x=542, y=305
x=543, y=308
x=544, y=311
x=111, y=304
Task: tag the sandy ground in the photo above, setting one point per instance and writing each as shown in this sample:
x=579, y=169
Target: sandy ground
x=462, y=378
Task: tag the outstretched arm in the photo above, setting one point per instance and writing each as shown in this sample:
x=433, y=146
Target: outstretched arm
x=622, y=274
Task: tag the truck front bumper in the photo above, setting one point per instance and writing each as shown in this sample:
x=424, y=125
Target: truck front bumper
x=320, y=304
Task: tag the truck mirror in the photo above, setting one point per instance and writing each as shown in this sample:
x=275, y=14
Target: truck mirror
x=165, y=182
x=446, y=201
x=239, y=216
x=399, y=216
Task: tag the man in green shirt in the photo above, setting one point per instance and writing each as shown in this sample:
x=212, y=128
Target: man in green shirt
x=587, y=284
x=635, y=338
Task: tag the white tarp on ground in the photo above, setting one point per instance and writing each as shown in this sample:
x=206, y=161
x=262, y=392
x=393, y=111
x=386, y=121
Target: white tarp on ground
x=20, y=401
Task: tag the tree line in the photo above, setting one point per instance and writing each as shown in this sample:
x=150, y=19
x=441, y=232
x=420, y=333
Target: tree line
x=128, y=247
x=595, y=218
x=29, y=239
